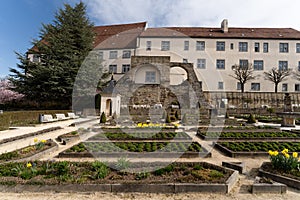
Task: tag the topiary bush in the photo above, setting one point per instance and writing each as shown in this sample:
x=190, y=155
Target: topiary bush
x=251, y=119
x=103, y=118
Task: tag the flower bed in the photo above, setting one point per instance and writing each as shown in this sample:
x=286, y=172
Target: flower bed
x=136, y=149
x=141, y=136
x=28, y=151
x=248, y=135
x=234, y=149
x=157, y=177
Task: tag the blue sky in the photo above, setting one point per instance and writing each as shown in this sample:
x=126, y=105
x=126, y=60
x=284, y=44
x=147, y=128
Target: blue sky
x=20, y=20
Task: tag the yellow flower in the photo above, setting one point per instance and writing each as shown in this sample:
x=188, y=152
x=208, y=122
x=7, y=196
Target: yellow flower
x=139, y=125
x=43, y=141
x=29, y=165
x=295, y=154
x=284, y=151
x=275, y=153
x=286, y=155
x=35, y=140
x=270, y=153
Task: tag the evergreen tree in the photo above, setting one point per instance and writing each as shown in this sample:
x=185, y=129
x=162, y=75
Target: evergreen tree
x=61, y=47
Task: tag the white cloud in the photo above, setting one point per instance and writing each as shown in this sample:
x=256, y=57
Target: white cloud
x=254, y=13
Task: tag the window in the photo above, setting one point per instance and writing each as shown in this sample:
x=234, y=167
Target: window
x=148, y=46
x=186, y=45
x=297, y=87
x=283, y=47
x=299, y=66
x=220, y=64
x=165, y=45
x=255, y=86
x=256, y=47
x=220, y=46
x=284, y=87
x=200, y=45
x=243, y=46
x=244, y=64
x=298, y=48
x=125, y=68
x=113, y=54
x=100, y=55
x=258, y=65
x=283, y=65
x=35, y=58
x=231, y=46
x=184, y=60
x=201, y=63
x=266, y=47
x=126, y=54
x=220, y=85
x=150, y=77
x=112, y=69
x=238, y=86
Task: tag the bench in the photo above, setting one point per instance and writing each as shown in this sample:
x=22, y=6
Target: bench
x=72, y=116
x=48, y=118
x=61, y=117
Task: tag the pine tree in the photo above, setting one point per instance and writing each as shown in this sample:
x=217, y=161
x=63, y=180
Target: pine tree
x=103, y=118
x=62, y=47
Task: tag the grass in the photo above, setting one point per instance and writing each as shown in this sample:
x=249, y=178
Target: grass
x=24, y=118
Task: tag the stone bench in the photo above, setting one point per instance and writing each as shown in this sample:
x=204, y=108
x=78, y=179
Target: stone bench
x=48, y=118
x=72, y=116
x=61, y=117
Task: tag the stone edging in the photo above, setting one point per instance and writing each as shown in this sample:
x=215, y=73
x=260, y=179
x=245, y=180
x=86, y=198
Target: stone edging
x=239, y=166
x=281, y=179
x=238, y=154
x=120, y=188
x=136, y=155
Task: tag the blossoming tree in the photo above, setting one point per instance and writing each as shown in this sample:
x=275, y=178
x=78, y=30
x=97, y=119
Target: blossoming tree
x=7, y=95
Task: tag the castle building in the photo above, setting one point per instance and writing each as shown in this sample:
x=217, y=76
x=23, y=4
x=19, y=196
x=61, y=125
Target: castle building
x=212, y=51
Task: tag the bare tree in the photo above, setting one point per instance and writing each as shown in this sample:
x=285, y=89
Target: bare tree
x=277, y=75
x=243, y=73
x=297, y=75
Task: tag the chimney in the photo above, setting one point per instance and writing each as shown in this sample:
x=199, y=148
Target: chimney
x=224, y=26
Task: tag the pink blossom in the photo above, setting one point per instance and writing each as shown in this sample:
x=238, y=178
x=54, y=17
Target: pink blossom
x=7, y=95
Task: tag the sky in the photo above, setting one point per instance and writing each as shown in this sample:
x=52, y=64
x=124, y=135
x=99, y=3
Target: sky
x=21, y=20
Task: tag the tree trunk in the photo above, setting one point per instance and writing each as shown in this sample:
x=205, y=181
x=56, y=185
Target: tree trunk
x=276, y=86
x=242, y=87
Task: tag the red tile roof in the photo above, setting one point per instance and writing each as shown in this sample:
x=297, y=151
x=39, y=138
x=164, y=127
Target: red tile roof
x=247, y=33
x=120, y=36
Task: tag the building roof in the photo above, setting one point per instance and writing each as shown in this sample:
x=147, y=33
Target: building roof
x=200, y=32
x=118, y=36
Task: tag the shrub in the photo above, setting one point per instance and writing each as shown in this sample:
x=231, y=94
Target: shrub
x=168, y=119
x=251, y=119
x=100, y=169
x=103, y=118
x=123, y=164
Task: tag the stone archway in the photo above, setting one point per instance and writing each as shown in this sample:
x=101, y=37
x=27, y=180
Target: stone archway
x=192, y=80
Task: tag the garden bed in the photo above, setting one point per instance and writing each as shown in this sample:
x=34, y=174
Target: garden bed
x=30, y=135
x=141, y=136
x=236, y=149
x=136, y=149
x=74, y=176
x=274, y=136
x=291, y=179
x=32, y=151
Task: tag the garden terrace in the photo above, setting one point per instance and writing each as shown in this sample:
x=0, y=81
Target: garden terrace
x=235, y=149
x=253, y=136
x=154, y=149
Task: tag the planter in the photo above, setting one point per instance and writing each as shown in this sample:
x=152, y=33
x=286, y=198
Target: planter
x=294, y=183
x=271, y=187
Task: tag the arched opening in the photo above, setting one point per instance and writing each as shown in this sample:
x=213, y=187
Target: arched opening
x=108, y=110
x=147, y=74
x=177, y=75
